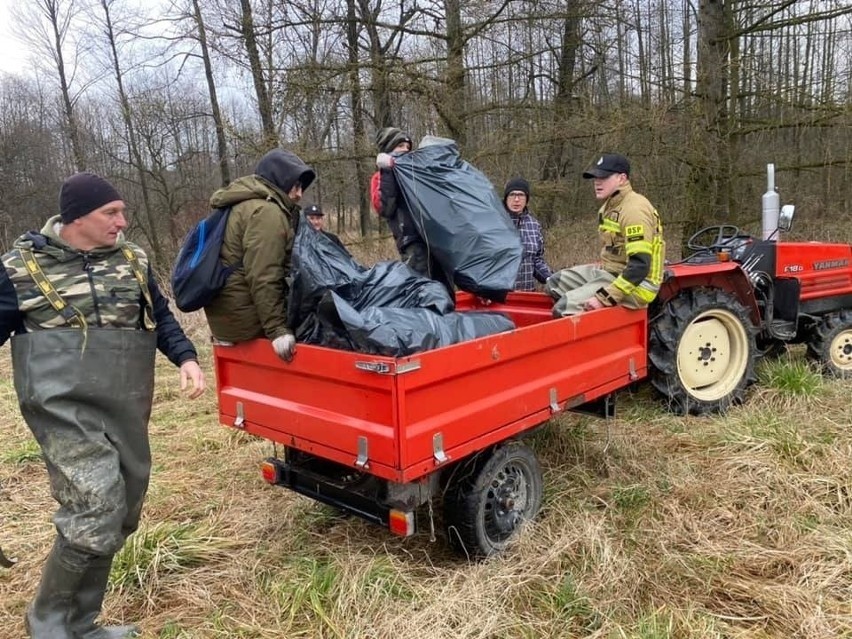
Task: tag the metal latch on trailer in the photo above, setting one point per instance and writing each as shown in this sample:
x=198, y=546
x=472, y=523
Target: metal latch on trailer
x=632, y=370
x=240, y=419
x=362, y=461
x=554, y=402
x=438, y=449
x=383, y=368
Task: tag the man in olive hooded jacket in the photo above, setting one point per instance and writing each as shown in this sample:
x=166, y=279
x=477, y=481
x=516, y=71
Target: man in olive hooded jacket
x=259, y=237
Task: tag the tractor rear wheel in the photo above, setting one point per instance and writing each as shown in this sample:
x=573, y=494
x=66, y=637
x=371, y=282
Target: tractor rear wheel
x=831, y=344
x=489, y=498
x=702, y=351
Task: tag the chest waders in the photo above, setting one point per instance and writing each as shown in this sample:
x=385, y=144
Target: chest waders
x=86, y=395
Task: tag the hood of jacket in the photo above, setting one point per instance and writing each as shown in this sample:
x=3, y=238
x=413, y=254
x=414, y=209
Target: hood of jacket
x=283, y=169
x=250, y=187
x=49, y=242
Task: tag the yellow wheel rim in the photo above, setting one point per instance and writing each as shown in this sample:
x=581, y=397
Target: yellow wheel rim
x=840, y=350
x=713, y=355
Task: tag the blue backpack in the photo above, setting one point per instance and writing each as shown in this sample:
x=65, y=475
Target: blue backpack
x=199, y=274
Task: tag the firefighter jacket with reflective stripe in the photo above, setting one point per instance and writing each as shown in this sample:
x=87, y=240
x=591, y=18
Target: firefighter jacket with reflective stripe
x=633, y=246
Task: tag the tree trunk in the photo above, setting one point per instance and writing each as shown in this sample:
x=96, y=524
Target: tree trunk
x=135, y=155
x=59, y=26
x=264, y=103
x=452, y=105
x=358, y=135
x=710, y=158
x=221, y=142
x=553, y=163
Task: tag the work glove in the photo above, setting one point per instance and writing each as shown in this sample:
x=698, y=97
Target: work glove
x=384, y=160
x=284, y=346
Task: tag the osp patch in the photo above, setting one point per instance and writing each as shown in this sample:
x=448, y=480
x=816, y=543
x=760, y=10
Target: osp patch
x=634, y=233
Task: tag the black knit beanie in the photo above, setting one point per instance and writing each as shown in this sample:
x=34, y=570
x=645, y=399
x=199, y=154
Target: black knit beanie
x=389, y=138
x=517, y=184
x=82, y=193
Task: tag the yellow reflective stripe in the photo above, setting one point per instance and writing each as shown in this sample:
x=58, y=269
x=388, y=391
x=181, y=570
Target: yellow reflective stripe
x=147, y=312
x=655, y=275
x=623, y=285
x=640, y=246
x=644, y=294
x=645, y=291
x=69, y=313
x=609, y=226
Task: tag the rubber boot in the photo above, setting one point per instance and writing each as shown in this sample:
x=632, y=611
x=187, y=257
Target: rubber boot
x=47, y=616
x=88, y=602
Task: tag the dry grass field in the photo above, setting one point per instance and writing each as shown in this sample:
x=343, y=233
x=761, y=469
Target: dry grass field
x=653, y=526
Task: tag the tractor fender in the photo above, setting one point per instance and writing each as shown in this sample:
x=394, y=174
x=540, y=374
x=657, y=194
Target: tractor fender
x=727, y=276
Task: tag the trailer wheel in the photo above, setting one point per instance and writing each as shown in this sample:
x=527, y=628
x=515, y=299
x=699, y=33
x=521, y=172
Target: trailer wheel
x=831, y=344
x=702, y=351
x=489, y=497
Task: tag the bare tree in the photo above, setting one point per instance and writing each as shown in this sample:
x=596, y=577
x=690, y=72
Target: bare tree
x=136, y=159
x=221, y=142
x=359, y=139
x=49, y=22
x=259, y=79
x=709, y=163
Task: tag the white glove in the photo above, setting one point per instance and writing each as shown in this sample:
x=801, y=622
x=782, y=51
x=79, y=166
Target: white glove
x=284, y=346
x=384, y=160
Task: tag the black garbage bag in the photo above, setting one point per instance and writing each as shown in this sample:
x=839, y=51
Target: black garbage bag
x=396, y=332
x=329, y=289
x=461, y=218
x=317, y=265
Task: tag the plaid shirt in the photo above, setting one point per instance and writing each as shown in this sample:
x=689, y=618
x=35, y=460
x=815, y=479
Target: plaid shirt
x=533, y=266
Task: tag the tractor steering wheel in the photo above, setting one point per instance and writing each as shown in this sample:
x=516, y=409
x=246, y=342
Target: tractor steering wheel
x=720, y=234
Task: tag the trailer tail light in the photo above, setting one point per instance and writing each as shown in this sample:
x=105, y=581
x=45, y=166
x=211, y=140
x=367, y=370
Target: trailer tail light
x=269, y=470
x=401, y=523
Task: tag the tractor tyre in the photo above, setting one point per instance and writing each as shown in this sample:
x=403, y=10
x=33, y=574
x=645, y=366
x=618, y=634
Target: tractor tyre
x=489, y=497
x=831, y=344
x=702, y=351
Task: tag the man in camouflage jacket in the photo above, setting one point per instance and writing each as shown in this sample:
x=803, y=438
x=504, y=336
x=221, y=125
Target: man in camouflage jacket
x=87, y=317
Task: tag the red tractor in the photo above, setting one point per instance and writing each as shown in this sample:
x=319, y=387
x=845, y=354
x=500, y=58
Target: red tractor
x=736, y=298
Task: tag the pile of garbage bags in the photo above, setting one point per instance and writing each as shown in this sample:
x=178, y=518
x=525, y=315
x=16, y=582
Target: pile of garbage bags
x=389, y=309
x=384, y=310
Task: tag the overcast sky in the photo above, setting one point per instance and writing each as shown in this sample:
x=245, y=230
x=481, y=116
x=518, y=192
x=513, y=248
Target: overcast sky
x=12, y=52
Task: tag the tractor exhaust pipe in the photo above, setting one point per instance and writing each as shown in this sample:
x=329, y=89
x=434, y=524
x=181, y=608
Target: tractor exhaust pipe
x=771, y=205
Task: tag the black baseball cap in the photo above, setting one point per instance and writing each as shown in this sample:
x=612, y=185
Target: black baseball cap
x=608, y=164
x=313, y=209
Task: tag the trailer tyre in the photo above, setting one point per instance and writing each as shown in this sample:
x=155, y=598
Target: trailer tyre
x=831, y=344
x=702, y=351
x=489, y=497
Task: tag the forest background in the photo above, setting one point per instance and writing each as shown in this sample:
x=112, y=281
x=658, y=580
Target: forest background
x=173, y=99
x=654, y=526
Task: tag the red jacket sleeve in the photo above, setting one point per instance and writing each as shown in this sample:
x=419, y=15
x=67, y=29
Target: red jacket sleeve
x=376, y=192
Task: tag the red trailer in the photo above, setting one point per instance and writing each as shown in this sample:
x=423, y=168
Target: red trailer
x=380, y=436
